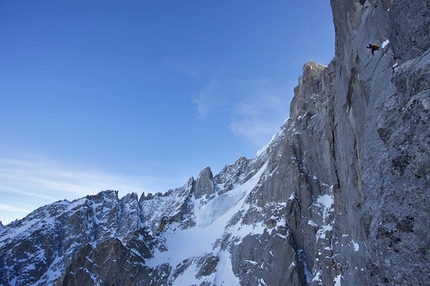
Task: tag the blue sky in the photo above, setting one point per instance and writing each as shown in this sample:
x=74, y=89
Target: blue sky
x=141, y=95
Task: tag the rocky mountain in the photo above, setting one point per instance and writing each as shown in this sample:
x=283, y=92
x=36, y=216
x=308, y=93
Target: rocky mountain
x=340, y=196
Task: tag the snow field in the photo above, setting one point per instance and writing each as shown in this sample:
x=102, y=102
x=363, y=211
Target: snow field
x=199, y=241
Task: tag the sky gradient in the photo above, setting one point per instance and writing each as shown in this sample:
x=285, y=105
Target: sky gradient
x=141, y=95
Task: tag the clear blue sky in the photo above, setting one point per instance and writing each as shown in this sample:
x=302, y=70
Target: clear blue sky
x=141, y=95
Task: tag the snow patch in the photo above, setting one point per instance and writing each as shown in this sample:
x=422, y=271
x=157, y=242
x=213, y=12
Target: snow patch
x=326, y=201
x=188, y=277
x=316, y=278
x=224, y=271
x=337, y=280
x=312, y=223
x=356, y=246
x=385, y=43
x=322, y=231
x=292, y=197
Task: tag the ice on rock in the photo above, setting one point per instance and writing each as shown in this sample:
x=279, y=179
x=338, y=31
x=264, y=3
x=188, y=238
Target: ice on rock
x=225, y=202
x=218, y=207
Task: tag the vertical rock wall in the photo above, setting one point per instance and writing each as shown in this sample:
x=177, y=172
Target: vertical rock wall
x=383, y=112
x=354, y=156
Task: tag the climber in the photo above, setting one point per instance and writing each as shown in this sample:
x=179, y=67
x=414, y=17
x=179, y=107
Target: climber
x=373, y=47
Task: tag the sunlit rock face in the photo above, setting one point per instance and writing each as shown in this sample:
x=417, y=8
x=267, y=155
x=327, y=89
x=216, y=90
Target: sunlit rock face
x=340, y=195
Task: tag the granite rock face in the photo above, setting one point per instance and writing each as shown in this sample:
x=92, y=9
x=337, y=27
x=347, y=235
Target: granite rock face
x=204, y=185
x=340, y=196
x=387, y=105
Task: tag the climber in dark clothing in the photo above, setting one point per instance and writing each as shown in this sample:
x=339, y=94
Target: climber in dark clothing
x=373, y=47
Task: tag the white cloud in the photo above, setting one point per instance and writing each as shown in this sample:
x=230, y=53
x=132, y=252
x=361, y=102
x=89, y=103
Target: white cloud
x=12, y=209
x=204, y=101
x=256, y=107
x=213, y=97
x=260, y=115
x=51, y=176
x=30, y=182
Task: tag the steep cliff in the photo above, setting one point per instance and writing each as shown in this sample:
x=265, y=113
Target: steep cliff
x=384, y=100
x=340, y=196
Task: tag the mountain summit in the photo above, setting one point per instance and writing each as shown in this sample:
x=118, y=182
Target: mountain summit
x=340, y=196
